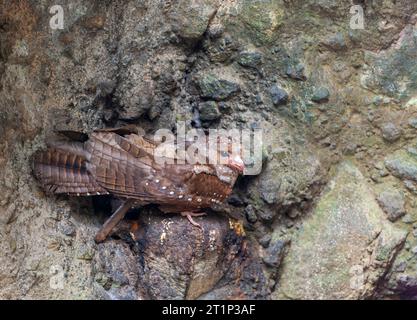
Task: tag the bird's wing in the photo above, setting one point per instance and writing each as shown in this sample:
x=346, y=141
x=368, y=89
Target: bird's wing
x=208, y=185
x=117, y=165
x=126, y=167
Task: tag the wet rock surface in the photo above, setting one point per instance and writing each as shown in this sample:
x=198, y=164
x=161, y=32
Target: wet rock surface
x=336, y=196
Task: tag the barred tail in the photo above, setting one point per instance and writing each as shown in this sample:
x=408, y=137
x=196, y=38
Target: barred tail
x=62, y=168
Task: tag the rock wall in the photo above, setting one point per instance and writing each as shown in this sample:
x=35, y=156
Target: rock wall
x=334, y=209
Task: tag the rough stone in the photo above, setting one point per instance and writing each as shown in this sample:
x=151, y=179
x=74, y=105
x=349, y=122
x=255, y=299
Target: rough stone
x=67, y=228
x=390, y=132
x=278, y=95
x=250, y=59
x=296, y=71
x=343, y=258
x=250, y=214
x=115, y=269
x=265, y=240
x=402, y=165
x=190, y=20
x=320, y=95
x=275, y=253
x=180, y=261
x=209, y=111
x=257, y=20
x=336, y=42
x=392, y=202
x=409, y=219
x=407, y=286
x=413, y=122
x=221, y=49
x=392, y=71
x=217, y=89
x=290, y=173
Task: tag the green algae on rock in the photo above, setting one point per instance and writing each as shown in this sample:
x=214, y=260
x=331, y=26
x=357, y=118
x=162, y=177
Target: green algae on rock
x=402, y=165
x=258, y=20
x=211, y=87
x=344, y=246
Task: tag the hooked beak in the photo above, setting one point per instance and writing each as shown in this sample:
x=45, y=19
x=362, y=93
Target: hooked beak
x=237, y=164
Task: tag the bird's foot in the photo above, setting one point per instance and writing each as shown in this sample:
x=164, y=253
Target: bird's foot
x=190, y=216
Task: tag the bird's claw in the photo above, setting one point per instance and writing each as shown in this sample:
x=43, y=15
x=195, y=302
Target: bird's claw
x=190, y=216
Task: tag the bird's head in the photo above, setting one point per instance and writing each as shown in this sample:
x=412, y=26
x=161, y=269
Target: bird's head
x=233, y=161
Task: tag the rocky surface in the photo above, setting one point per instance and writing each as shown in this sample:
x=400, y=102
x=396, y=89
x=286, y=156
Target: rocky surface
x=392, y=202
x=334, y=208
x=346, y=232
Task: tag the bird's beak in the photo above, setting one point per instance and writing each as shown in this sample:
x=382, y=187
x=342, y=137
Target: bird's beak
x=237, y=163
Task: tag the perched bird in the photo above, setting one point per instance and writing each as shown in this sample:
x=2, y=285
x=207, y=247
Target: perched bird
x=123, y=163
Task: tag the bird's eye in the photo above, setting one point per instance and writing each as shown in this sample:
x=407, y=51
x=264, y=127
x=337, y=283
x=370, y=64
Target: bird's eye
x=224, y=154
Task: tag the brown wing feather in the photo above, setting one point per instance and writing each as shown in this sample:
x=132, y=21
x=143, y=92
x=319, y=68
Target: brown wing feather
x=61, y=171
x=207, y=185
x=200, y=190
x=120, y=166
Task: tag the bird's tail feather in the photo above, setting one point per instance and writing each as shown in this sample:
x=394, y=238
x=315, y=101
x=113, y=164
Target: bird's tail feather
x=62, y=168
